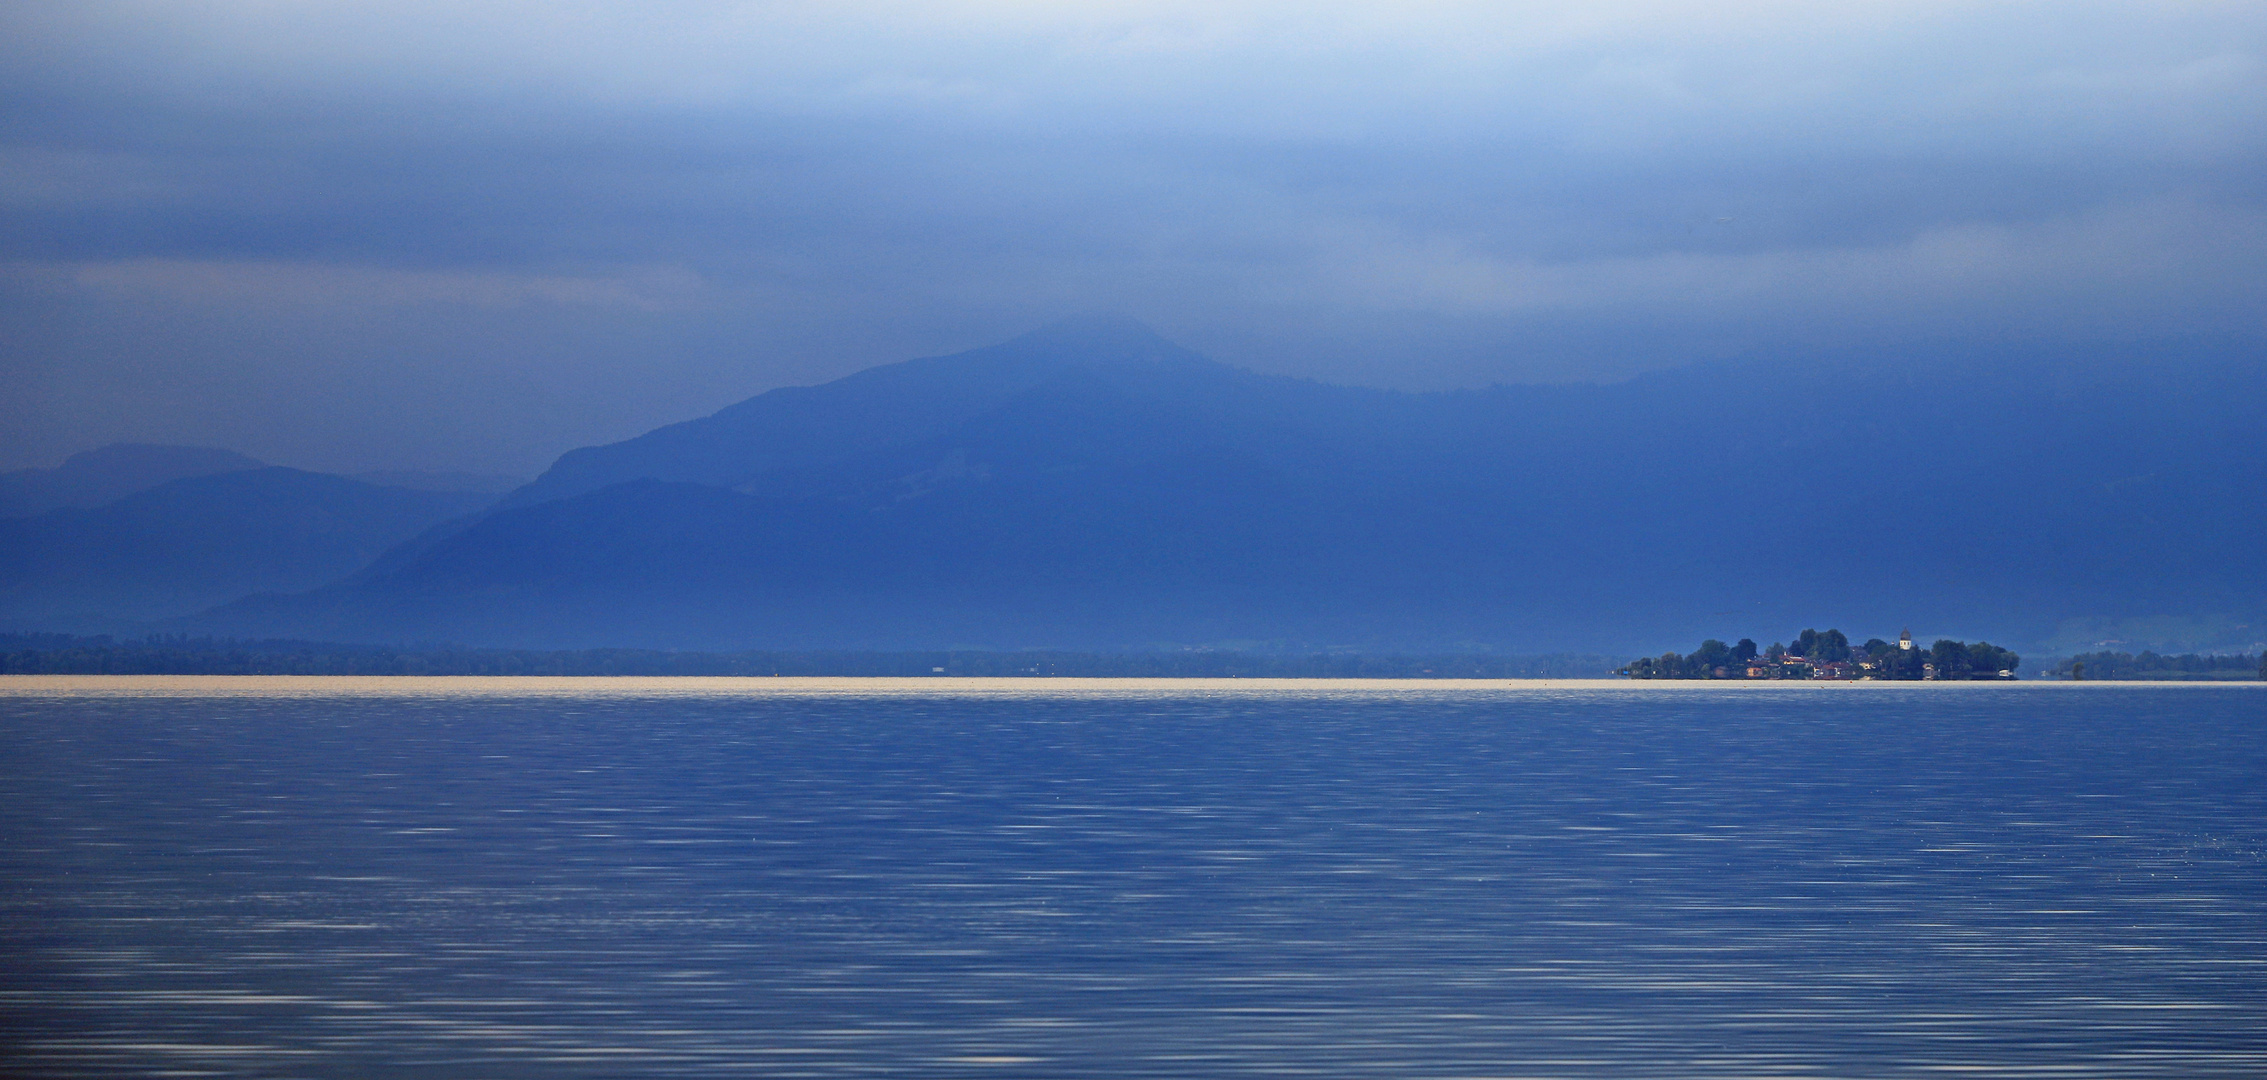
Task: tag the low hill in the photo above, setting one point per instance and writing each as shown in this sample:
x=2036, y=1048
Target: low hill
x=111, y=473
x=191, y=543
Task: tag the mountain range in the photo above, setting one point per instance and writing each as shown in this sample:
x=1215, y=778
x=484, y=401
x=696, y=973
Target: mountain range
x=186, y=539
x=1093, y=486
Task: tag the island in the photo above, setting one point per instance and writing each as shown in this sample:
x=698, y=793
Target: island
x=1829, y=655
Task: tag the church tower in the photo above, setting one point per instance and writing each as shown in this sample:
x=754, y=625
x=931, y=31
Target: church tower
x=1905, y=639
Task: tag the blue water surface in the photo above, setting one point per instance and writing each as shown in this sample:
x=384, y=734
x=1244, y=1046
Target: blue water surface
x=1870, y=882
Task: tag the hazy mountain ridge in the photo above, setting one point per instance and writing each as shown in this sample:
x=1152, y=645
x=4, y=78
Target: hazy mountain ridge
x=95, y=477
x=1094, y=487
x=190, y=543
x=806, y=427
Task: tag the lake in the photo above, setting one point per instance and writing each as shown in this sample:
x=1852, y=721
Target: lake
x=834, y=878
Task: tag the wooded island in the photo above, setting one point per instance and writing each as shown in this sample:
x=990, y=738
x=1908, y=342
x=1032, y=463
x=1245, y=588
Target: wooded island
x=1829, y=655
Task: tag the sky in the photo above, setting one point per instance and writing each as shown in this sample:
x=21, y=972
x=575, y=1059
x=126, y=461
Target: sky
x=449, y=236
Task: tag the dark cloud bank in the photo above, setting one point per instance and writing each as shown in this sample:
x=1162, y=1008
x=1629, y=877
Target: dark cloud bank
x=420, y=238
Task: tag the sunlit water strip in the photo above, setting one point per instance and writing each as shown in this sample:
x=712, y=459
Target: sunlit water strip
x=609, y=877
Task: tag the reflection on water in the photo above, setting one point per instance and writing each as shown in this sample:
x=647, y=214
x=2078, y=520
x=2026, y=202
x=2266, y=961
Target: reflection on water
x=1448, y=883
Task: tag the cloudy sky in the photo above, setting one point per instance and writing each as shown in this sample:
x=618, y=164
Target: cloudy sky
x=439, y=235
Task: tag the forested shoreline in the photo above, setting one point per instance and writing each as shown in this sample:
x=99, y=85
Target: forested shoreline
x=2155, y=667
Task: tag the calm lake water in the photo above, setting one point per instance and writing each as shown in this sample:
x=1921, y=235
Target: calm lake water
x=481, y=879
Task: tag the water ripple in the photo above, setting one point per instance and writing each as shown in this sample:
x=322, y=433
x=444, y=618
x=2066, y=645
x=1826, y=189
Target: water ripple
x=1457, y=883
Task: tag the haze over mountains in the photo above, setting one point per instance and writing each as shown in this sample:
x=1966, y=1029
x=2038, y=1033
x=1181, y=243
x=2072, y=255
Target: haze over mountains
x=1092, y=486
x=111, y=473
x=1997, y=315
x=181, y=546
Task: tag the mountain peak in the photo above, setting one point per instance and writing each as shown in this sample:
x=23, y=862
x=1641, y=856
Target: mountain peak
x=801, y=427
x=1099, y=337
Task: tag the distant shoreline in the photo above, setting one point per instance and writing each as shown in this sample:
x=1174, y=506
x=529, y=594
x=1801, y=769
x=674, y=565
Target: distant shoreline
x=695, y=686
x=63, y=654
